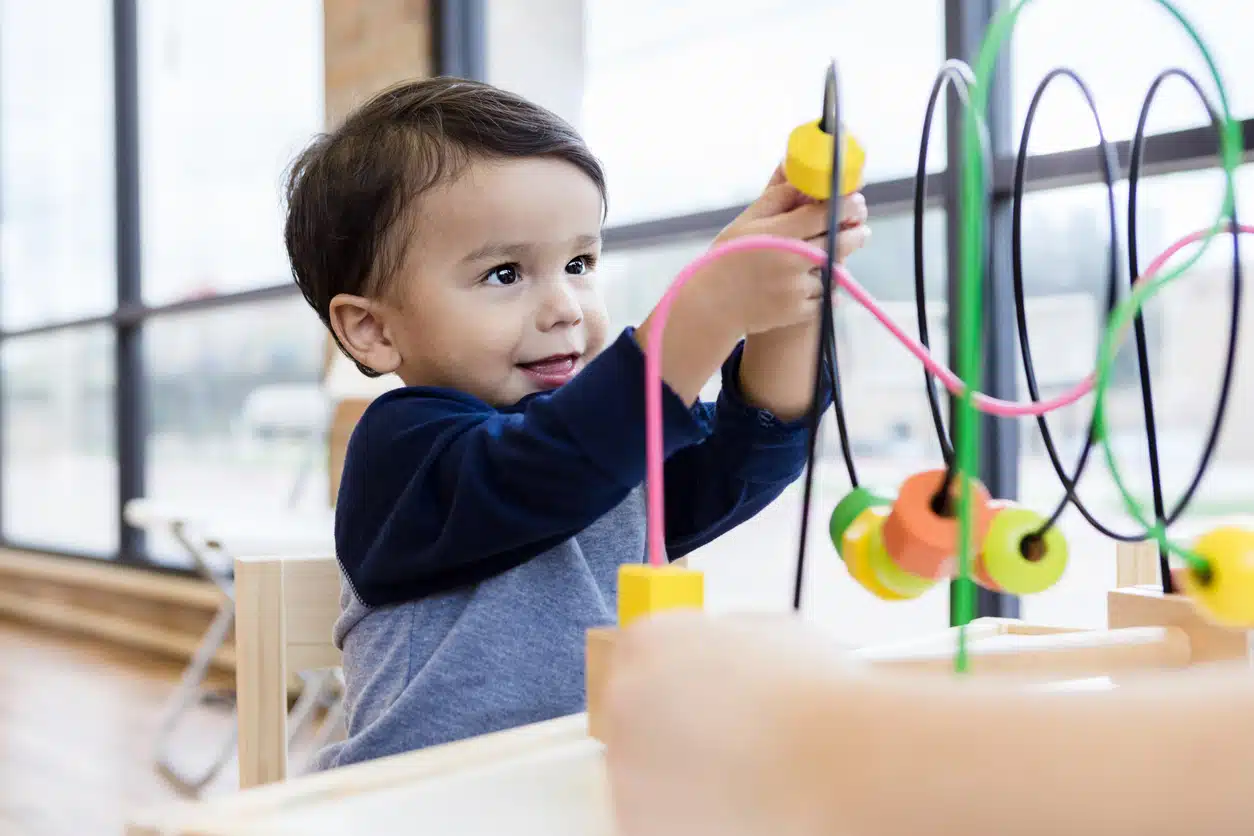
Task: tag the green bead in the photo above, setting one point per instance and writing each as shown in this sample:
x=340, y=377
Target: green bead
x=1016, y=559
x=848, y=510
x=892, y=576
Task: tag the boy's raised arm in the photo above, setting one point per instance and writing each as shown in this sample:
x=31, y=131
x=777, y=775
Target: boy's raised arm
x=443, y=490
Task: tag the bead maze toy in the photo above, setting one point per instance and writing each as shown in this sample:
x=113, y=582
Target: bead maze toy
x=942, y=524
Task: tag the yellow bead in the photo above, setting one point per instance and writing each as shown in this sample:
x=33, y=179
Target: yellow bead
x=1225, y=590
x=891, y=576
x=644, y=590
x=857, y=557
x=808, y=162
x=847, y=510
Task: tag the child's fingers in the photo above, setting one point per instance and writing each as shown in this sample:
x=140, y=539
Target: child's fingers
x=808, y=219
x=853, y=209
x=805, y=221
x=777, y=197
x=779, y=178
x=781, y=197
x=848, y=242
x=777, y=200
x=851, y=240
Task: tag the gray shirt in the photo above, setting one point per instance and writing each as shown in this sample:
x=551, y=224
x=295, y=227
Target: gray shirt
x=430, y=671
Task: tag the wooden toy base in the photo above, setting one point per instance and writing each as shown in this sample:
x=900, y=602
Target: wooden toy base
x=600, y=647
x=1145, y=639
x=1143, y=606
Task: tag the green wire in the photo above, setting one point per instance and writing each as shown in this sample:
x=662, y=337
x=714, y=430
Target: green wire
x=970, y=361
x=970, y=355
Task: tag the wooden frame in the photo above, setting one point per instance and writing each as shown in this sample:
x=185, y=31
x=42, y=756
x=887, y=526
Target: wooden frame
x=286, y=608
x=281, y=808
x=560, y=763
x=1145, y=630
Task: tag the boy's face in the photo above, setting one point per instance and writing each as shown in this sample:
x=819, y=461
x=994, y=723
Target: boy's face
x=498, y=296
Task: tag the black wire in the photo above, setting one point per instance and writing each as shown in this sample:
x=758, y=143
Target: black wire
x=827, y=358
x=1110, y=166
x=838, y=403
x=1134, y=172
x=960, y=76
x=826, y=348
x=1109, y=163
x=1142, y=351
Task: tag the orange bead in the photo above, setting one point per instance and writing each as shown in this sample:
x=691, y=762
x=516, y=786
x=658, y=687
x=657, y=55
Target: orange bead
x=979, y=572
x=922, y=541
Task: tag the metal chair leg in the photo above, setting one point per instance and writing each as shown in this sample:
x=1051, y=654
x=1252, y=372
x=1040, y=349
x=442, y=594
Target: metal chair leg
x=331, y=695
x=187, y=694
x=311, y=697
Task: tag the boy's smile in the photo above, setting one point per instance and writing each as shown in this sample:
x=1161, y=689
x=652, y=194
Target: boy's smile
x=551, y=372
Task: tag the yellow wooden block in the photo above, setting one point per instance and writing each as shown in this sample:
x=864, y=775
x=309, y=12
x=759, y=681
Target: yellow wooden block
x=644, y=590
x=808, y=161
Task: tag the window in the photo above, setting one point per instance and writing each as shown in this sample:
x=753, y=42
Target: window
x=202, y=335
x=1187, y=325
x=638, y=81
x=59, y=461
x=56, y=162
x=1118, y=47
x=229, y=92
x=236, y=415
x=690, y=105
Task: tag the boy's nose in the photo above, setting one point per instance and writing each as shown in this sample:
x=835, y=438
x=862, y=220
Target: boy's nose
x=561, y=307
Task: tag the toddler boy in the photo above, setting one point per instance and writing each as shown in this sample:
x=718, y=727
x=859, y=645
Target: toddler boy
x=449, y=233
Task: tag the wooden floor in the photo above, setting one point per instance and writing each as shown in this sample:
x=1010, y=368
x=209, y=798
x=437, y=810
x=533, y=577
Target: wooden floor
x=77, y=724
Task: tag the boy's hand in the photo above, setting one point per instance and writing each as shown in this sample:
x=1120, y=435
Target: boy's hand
x=752, y=293
x=770, y=289
x=777, y=370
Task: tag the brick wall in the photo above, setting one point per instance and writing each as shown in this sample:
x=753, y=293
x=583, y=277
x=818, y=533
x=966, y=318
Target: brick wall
x=369, y=45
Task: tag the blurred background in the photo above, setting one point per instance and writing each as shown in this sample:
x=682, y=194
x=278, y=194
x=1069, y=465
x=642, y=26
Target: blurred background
x=153, y=346
x=152, y=343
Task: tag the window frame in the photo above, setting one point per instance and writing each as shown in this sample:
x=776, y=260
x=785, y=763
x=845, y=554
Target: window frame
x=130, y=314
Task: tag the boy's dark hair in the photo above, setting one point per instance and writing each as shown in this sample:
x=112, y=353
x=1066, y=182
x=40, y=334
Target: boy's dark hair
x=350, y=194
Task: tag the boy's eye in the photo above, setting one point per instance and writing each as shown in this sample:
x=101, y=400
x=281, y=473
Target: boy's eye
x=580, y=265
x=505, y=275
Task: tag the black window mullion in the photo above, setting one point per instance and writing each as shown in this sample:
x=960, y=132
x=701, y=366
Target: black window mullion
x=460, y=43
x=130, y=411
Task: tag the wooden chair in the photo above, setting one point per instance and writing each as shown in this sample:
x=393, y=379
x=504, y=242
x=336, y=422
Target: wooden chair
x=285, y=609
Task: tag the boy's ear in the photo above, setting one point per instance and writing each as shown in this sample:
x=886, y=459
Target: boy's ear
x=362, y=330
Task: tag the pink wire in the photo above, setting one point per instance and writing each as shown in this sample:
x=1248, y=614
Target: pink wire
x=951, y=381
